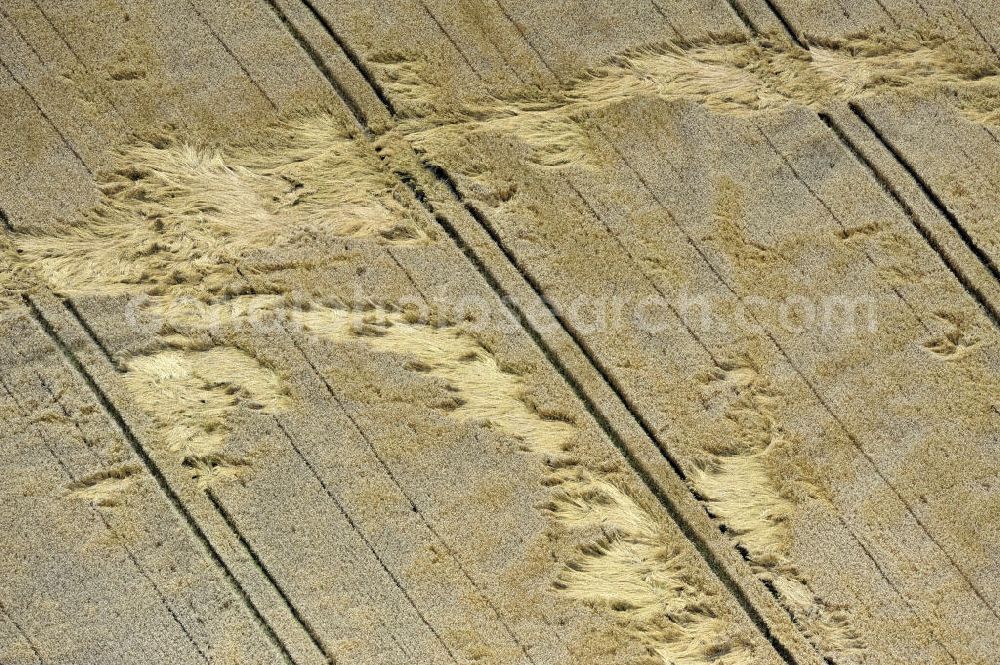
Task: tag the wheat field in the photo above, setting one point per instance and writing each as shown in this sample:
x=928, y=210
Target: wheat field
x=496, y=332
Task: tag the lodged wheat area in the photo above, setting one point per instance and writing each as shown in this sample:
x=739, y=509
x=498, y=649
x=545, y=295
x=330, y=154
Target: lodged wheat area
x=175, y=224
x=246, y=407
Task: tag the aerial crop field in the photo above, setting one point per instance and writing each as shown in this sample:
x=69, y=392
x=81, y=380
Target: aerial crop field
x=496, y=332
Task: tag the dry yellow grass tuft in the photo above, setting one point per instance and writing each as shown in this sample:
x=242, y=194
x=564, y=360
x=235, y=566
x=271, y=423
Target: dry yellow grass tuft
x=105, y=488
x=483, y=391
x=634, y=570
x=15, y=277
x=176, y=219
x=191, y=395
x=955, y=342
x=738, y=486
x=735, y=77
